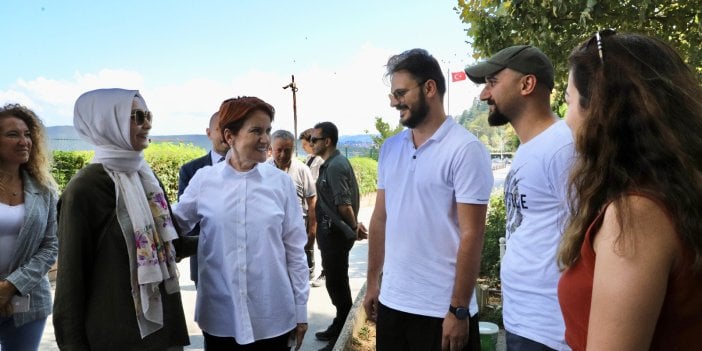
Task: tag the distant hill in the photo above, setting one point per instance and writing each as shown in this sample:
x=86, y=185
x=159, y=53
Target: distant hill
x=66, y=138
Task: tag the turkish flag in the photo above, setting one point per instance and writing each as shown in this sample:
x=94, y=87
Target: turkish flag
x=456, y=76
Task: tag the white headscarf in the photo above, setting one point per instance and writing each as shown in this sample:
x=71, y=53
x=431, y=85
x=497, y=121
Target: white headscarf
x=102, y=117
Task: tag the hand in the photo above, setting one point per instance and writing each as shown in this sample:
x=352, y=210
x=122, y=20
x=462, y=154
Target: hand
x=299, y=331
x=370, y=302
x=6, y=310
x=7, y=290
x=361, y=232
x=454, y=333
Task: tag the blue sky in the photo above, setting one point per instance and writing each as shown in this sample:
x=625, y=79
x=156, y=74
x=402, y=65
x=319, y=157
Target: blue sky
x=187, y=56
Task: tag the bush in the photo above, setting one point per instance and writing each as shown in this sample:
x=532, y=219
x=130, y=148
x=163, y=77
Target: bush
x=366, y=170
x=494, y=230
x=66, y=164
x=166, y=158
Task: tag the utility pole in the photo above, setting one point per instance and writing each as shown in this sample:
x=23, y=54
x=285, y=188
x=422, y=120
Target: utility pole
x=448, y=91
x=293, y=87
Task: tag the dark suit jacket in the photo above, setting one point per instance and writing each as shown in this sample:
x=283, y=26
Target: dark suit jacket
x=187, y=171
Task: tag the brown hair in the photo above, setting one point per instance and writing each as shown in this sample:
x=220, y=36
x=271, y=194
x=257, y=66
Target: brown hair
x=306, y=135
x=38, y=165
x=640, y=133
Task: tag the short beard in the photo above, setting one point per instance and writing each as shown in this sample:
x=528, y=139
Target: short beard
x=497, y=118
x=417, y=114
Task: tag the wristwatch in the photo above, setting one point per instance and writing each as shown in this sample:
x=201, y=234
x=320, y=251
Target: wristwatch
x=461, y=313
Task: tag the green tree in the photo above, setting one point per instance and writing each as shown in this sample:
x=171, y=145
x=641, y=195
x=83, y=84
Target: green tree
x=558, y=26
x=384, y=132
x=496, y=139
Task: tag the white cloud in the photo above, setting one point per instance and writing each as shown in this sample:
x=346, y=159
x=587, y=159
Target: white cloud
x=351, y=95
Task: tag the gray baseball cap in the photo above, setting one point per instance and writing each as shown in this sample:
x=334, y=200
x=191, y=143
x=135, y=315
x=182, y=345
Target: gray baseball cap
x=521, y=58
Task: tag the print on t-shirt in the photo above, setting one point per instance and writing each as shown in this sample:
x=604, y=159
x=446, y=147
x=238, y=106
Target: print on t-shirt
x=515, y=202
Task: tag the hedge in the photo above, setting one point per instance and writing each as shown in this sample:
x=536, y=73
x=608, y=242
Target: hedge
x=164, y=158
x=366, y=170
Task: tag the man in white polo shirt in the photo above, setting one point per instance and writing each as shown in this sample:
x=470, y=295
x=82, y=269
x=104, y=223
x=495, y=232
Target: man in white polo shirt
x=426, y=231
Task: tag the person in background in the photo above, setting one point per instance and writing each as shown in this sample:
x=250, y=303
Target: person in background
x=337, y=224
x=518, y=82
x=434, y=183
x=633, y=246
x=283, y=146
x=117, y=280
x=253, y=284
x=216, y=154
x=28, y=244
x=313, y=162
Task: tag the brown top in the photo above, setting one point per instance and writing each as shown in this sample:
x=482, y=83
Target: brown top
x=679, y=323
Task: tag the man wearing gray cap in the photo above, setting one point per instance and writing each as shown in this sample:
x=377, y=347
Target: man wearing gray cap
x=518, y=82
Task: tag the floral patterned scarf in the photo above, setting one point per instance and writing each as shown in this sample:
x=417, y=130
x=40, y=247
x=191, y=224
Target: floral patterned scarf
x=102, y=118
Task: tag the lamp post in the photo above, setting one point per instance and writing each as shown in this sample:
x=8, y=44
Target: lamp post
x=293, y=87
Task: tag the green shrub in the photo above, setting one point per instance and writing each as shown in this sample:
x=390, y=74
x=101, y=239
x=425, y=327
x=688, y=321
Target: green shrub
x=66, y=163
x=366, y=170
x=494, y=230
x=166, y=158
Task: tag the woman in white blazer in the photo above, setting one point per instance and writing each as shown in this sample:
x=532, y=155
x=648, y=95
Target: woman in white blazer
x=28, y=244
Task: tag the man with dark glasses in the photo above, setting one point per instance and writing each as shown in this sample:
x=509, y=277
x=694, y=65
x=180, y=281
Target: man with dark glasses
x=338, y=228
x=518, y=82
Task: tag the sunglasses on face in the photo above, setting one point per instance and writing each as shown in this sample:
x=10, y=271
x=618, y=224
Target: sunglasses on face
x=314, y=140
x=141, y=116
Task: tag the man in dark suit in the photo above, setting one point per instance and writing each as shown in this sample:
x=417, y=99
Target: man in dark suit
x=187, y=171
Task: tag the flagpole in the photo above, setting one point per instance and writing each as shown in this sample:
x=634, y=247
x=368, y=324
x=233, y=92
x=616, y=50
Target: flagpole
x=448, y=92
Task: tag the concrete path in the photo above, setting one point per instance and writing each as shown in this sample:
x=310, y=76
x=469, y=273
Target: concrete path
x=320, y=310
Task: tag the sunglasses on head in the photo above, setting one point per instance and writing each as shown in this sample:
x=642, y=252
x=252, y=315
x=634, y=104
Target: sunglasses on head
x=598, y=38
x=141, y=116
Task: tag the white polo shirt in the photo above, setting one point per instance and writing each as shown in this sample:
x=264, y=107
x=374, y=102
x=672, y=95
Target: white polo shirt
x=422, y=187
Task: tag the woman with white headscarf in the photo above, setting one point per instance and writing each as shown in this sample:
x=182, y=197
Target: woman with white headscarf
x=117, y=282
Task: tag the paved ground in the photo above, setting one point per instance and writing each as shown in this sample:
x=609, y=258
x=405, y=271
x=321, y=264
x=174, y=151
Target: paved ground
x=320, y=309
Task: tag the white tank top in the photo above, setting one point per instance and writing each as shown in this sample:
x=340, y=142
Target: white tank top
x=11, y=219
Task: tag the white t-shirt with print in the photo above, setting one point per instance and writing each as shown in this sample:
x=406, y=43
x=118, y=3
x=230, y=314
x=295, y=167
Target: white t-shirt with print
x=536, y=204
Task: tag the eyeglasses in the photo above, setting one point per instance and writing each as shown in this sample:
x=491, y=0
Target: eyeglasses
x=314, y=140
x=400, y=93
x=598, y=38
x=141, y=116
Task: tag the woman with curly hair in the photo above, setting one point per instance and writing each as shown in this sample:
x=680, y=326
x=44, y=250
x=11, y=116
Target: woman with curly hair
x=28, y=244
x=632, y=251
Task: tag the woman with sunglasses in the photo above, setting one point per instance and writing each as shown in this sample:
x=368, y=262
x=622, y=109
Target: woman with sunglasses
x=253, y=280
x=28, y=244
x=117, y=282
x=633, y=247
